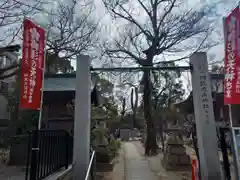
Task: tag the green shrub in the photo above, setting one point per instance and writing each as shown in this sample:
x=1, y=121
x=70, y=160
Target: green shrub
x=114, y=146
x=99, y=137
x=103, y=154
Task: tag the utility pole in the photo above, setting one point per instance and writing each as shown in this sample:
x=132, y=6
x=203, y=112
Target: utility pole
x=82, y=119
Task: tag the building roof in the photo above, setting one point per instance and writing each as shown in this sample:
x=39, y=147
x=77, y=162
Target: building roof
x=221, y=111
x=67, y=82
x=60, y=82
x=12, y=48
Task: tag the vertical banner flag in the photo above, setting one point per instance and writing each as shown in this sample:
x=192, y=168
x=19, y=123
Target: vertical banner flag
x=32, y=65
x=231, y=27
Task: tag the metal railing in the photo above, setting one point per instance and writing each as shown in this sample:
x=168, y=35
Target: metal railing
x=91, y=171
x=49, y=151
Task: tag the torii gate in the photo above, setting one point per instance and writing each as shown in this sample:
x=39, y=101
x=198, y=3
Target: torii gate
x=205, y=123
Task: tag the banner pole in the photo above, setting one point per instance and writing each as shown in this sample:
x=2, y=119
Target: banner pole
x=43, y=80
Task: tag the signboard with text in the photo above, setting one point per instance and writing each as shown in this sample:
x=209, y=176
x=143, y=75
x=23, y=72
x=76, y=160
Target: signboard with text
x=32, y=65
x=231, y=27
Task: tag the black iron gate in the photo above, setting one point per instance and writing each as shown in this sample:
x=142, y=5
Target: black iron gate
x=49, y=151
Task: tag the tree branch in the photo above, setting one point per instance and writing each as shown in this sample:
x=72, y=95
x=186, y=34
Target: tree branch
x=166, y=29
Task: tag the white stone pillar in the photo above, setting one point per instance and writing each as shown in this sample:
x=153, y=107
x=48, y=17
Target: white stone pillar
x=82, y=120
x=204, y=117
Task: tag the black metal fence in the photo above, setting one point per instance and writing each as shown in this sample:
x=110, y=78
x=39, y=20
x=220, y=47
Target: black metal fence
x=225, y=145
x=49, y=151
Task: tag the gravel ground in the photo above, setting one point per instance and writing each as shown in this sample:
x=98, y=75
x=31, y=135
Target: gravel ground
x=156, y=167
x=11, y=173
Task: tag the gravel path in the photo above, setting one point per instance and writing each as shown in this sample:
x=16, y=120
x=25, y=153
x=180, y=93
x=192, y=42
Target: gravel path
x=11, y=173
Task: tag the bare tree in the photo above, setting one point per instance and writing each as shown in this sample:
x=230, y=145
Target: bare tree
x=153, y=28
x=11, y=15
x=72, y=31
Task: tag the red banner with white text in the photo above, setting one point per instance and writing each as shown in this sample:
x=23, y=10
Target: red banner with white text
x=232, y=58
x=32, y=65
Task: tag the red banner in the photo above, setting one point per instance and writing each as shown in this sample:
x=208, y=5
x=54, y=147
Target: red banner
x=32, y=65
x=232, y=58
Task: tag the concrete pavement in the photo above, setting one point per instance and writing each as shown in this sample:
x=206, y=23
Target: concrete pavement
x=137, y=167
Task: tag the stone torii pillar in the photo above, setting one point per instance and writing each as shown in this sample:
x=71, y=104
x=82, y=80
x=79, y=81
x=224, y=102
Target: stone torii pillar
x=82, y=119
x=204, y=118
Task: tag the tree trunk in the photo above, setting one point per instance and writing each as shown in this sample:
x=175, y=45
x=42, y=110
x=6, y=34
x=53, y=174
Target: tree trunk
x=161, y=129
x=123, y=109
x=134, y=105
x=150, y=144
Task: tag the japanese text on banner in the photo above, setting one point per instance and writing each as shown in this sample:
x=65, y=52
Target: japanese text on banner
x=32, y=66
x=232, y=58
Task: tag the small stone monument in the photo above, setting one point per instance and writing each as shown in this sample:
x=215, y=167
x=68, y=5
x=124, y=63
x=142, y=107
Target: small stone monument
x=175, y=156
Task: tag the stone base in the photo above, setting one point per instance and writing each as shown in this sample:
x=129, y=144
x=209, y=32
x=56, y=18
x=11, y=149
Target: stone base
x=175, y=158
x=174, y=167
x=175, y=149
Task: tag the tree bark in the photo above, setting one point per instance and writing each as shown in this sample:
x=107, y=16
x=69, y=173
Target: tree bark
x=161, y=129
x=134, y=105
x=150, y=144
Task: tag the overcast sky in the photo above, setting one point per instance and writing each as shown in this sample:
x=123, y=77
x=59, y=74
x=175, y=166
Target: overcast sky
x=223, y=7
x=110, y=29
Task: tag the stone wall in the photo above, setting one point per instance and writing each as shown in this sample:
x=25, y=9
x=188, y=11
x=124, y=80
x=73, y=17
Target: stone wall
x=125, y=134
x=135, y=133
